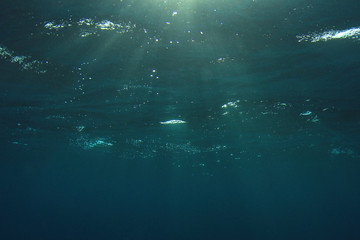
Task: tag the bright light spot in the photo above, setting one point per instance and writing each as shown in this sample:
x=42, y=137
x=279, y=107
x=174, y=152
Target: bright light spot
x=175, y=121
x=106, y=25
x=307, y=113
x=330, y=35
x=51, y=25
x=89, y=26
x=25, y=62
x=231, y=104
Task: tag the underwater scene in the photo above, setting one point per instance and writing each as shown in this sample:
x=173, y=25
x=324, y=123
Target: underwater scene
x=180, y=119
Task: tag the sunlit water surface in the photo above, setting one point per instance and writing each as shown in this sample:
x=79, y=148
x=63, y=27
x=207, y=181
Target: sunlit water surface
x=179, y=119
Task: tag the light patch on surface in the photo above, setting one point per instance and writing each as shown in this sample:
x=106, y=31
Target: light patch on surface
x=108, y=25
x=87, y=143
x=19, y=143
x=80, y=128
x=307, y=113
x=352, y=33
x=52, y=25
x=25, y=62
x=311, y=117
x=342, y=151
x=231, y=104
x=174, y=121
x=89, y=26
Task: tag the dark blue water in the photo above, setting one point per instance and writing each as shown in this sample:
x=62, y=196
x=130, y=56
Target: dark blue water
x=180, y=119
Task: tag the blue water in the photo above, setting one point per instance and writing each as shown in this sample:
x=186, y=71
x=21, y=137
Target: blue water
x=180, y=119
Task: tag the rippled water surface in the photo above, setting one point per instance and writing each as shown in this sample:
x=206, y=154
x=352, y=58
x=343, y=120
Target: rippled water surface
x=178, y=119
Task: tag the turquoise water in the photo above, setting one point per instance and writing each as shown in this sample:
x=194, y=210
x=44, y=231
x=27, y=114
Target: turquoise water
x=179, y=119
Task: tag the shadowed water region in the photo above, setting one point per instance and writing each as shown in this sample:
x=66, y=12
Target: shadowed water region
x=178, y=119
